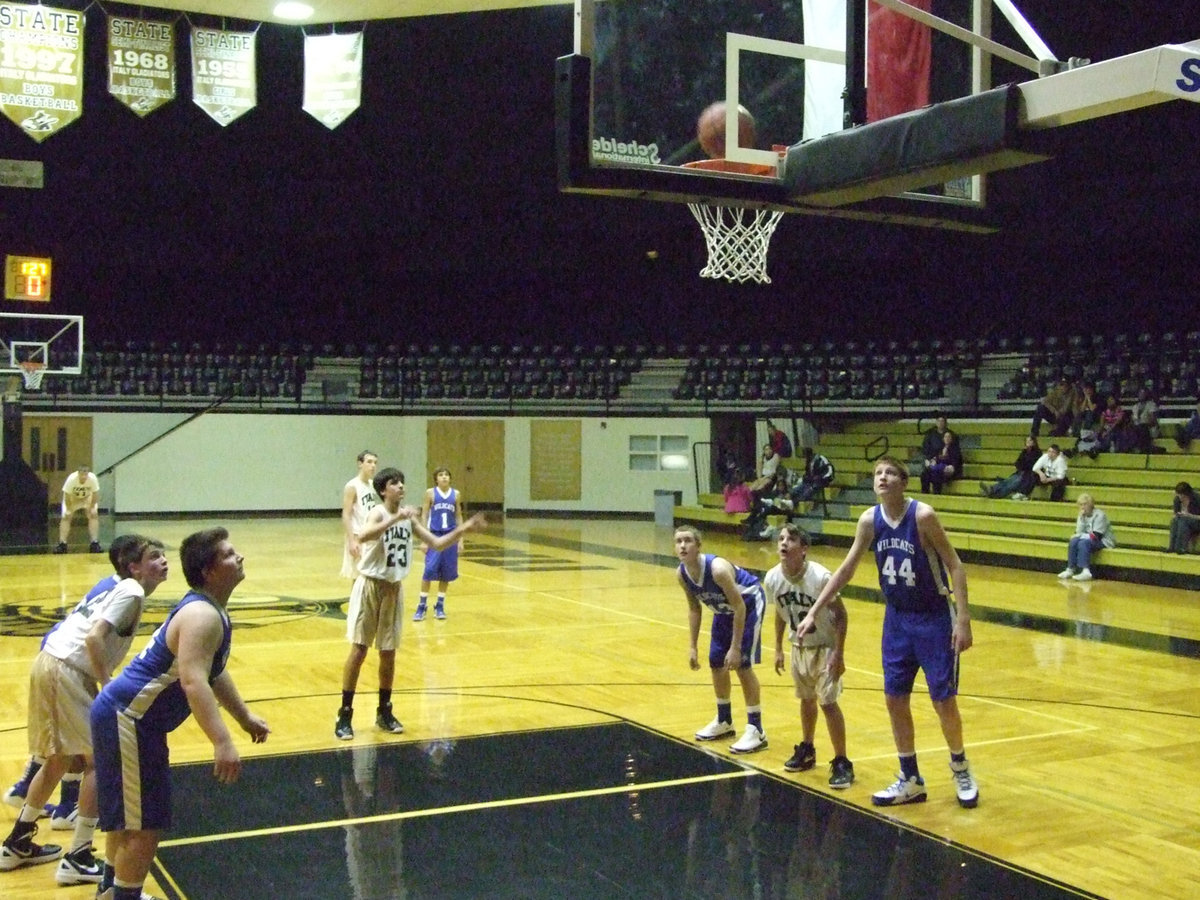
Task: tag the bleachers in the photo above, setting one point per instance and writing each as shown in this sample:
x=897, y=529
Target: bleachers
x=1135, y=490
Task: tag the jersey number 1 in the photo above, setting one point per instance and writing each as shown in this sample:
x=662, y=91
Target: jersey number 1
x=905, y=571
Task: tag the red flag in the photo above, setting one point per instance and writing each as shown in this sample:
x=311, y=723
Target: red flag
x=898, y=58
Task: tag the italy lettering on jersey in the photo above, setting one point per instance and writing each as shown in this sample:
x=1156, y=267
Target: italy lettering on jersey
x=709, y=593
x=911, y=577
x=795, y=597
x=120, y=606
x=387, y=557
x=148, y=688
x=365, y=500
x=443, y=511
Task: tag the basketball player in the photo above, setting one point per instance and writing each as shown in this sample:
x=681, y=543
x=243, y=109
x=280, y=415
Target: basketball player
x=62, y=816
x=181, y=672
x=81, y=491
x=376, y=600
x=920, y=630
x=77, y=657
x=737, y=602
x=817, y=658
x=441, y=512
x=358, y=497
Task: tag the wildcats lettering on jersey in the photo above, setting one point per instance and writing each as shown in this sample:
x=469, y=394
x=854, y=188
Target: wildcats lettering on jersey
x=895, y=543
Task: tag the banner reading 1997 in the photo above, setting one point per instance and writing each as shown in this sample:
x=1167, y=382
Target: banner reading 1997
x=41, y=67
x=141, y=63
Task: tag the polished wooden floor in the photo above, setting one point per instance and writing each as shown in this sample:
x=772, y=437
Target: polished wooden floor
x=1080, y=704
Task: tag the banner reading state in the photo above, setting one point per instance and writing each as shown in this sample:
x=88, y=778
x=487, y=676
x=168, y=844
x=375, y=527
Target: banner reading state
x=224, y=73
x=141, y=63
x=332, y=76
x=41, y=67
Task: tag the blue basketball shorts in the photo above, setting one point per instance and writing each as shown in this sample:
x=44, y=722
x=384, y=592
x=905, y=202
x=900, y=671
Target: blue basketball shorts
x=722, y=634
x=133, y=771
x=441, y=565
x=919, y=640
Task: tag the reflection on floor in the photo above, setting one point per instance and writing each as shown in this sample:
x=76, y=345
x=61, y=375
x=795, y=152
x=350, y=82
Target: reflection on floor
x=600, y=811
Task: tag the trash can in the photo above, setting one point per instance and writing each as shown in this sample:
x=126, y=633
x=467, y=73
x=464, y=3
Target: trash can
x=664, y=507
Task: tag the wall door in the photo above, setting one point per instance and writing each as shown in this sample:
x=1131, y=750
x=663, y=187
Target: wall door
x=473, y=451
x=54, y=447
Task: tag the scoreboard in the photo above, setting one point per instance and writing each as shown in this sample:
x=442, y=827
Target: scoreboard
x=27, y=278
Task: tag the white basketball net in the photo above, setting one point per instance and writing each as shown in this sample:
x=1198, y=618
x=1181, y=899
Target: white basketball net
x=737, y=241
x=32, y=373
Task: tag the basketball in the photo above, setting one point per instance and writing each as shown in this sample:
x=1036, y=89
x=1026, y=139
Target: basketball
x=710, y=129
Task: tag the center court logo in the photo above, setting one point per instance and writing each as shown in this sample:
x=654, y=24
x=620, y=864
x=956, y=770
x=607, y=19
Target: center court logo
x=621, y=151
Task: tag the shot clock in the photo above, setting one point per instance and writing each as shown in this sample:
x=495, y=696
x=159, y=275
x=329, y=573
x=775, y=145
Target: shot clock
x=27, y=278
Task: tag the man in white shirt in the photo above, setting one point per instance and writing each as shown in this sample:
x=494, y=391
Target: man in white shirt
x=81, y=491
x=1051, y=470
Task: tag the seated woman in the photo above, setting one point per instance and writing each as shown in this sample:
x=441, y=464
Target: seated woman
x=1022, y=480
x=1185, y=523
x=1092, y=534
x=946, y=466
x=738, y=498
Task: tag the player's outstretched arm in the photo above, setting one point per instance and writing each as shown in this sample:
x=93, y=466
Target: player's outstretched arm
x=864, y=533
x=477, y=522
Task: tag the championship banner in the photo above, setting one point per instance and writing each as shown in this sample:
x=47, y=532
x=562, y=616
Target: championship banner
x=141, y=63
x=41, y=67
x=224, y=73
x=332, y=76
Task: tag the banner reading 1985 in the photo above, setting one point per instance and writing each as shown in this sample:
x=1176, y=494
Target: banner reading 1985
x=141, y=63
x=41, y=67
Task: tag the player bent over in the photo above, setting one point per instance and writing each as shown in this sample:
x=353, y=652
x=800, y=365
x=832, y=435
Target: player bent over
x=920, y=628
x=737, y=602
x=817, y=658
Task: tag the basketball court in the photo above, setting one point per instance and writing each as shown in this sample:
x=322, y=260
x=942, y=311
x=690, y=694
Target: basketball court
x=548, y=749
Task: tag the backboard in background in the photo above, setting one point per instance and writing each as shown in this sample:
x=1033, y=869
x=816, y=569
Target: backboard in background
x=801, y=68
x=54, y=341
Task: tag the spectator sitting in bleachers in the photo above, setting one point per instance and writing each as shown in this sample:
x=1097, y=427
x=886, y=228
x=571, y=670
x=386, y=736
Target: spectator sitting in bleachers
x=1087, y=409
x=1022, y=480
x=1051, y=470
x=769, y=466
x=1185, y=521
x=1055, y=408
x=946, y=466
x=738, y=498
x=1093, y=533
x=932, y=442
x=1189, y=430
x=1145, y=420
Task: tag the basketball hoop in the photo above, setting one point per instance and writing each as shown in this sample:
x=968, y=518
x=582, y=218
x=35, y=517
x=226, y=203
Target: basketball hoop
x=32, y=372
x=737, y=241
x=737, y=237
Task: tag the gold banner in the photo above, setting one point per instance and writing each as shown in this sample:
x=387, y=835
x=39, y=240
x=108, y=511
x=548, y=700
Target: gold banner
x=141, y=63
x=41, y=67
x=224, y=73
x=332, y=76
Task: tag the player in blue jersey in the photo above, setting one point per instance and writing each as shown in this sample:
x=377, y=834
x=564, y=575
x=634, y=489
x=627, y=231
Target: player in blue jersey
x=920, y=629
x=737, y=602
x=181, y=672
x=441, y=512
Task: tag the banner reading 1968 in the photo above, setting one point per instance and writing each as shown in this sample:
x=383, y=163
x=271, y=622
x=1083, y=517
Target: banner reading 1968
x=224, y=73
x=41, y=67
x=141, y=63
